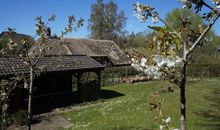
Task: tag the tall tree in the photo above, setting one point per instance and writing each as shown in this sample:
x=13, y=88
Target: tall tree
x=96, y=21
x=105, y=21
x=169, y=40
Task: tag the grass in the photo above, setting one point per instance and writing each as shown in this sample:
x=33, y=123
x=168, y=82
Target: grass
x=125, y=107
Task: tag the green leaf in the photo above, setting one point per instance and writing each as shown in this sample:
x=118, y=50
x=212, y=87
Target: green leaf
x=156, y=28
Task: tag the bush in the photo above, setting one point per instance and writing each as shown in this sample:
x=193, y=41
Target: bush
x=203, y=70
x=20, y=117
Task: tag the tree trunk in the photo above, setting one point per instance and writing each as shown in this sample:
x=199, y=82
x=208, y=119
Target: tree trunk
x=3, y=119
x=183, y=97
x=30, y=97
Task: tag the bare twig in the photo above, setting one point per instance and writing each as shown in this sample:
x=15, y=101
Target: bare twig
x=202, y=35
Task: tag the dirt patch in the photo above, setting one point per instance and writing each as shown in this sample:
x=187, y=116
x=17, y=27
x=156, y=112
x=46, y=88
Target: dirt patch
x=47, y=121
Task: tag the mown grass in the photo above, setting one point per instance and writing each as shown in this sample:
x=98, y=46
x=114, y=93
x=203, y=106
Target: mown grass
x=129, y=109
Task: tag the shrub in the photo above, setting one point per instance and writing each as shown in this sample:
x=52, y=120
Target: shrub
x=20, y=117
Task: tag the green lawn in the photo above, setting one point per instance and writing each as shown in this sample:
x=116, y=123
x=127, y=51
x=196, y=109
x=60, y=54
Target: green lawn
x=129, y=109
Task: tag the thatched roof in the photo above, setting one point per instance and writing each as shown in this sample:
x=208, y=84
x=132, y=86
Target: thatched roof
x=89, y=47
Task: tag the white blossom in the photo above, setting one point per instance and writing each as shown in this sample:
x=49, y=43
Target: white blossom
x=168, y=120
x=217, y=3
x=138, y=7
x=143, y=62
x=161, y=127
x=153, y=71
x=137, y=67
x=3, y=94
x=186, y=3
x=155, y=19
x=133, y=60
x=141, y=17
x=139, y=12
x=168, y=61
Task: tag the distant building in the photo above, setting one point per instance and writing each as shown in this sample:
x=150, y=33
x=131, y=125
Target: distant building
x=104, y=51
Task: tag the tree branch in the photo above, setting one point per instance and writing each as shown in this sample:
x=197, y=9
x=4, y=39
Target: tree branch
x=171, y=28
x=38, y=58
x=202, y=35
x=210, y=7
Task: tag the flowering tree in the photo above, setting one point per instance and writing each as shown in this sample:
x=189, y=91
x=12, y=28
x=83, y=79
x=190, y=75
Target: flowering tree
x=29, y=58
x=6, y=88
x=170, y=42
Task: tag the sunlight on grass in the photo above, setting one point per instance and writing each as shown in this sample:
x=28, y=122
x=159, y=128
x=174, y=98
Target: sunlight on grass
x=130, y=111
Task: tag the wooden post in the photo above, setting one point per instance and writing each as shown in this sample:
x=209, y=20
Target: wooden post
x=99, y=78
x=79, y=90
x=99, y=81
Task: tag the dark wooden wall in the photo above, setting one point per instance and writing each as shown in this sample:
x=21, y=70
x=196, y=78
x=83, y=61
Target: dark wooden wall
x=51, y=90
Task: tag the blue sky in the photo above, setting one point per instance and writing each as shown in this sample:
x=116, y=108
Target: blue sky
x=21, y=14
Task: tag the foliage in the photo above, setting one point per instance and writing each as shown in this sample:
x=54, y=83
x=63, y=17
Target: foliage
x=20, y=117
x=6, y=88
x=156, y=105
x=169, y=40
x=105, y=21
x=184, y=17
x=203, y=70
x=3, y=42
x=136, y=40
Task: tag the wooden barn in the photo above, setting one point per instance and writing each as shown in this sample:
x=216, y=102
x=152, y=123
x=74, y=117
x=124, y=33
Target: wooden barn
x=54, y=85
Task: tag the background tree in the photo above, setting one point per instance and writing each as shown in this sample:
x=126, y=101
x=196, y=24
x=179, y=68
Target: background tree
x=202, y=55
x=96, y=21
x=170, y=40
x=106, y=22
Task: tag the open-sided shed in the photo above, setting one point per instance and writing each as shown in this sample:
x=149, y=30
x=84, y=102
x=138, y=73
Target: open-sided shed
x=53, y=85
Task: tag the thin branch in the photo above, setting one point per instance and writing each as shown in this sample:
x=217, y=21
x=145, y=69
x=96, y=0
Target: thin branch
x=184, y=52
x=210, y=7
x=38, y=58
x=45, y=26
x=171, y=28
x=202, y=35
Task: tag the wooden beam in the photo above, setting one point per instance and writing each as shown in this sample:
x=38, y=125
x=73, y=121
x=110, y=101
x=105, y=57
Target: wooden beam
x=78, y=76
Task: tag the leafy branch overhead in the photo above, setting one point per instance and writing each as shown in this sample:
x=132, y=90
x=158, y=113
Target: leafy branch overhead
x=168, y=36
x=175, y=45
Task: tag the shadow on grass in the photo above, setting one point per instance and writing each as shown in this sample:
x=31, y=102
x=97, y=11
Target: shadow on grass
x=128, y=128
x=212, y=114
x=107, y=94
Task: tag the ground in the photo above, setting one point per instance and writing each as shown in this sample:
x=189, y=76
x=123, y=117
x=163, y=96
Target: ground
x=126, y=107
x=46, y=121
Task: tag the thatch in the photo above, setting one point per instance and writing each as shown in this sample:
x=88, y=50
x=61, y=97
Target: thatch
x=89, y=47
